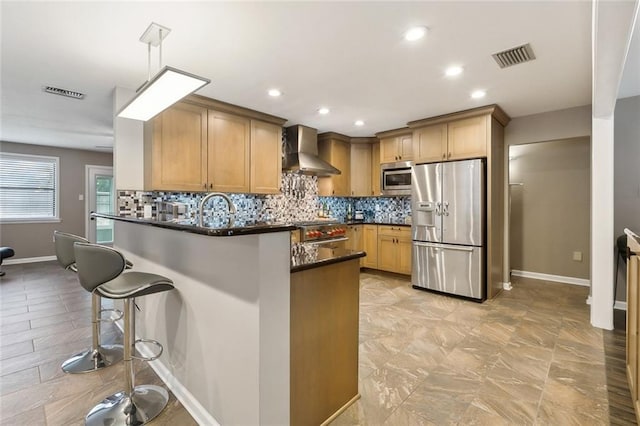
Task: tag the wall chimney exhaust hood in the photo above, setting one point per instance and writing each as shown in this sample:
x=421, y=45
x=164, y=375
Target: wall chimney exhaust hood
x=301, y=152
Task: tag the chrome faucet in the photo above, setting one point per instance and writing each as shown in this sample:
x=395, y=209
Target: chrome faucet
x=232, y=208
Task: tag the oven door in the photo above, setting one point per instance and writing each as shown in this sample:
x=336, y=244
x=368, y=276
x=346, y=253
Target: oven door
x=395, y=178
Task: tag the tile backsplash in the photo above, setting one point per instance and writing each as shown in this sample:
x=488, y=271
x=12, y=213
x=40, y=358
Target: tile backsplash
x=299, y=201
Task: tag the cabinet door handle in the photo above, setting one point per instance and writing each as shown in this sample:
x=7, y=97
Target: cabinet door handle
x=204, y=185
x=444, y=155
x=210, y=186
x=449, y=155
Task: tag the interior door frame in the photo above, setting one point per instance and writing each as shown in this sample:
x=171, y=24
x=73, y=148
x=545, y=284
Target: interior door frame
x=91, y=171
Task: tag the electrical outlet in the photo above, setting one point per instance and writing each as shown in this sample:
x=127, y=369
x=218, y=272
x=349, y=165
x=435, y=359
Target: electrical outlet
x=80, y=197
x=577, y=256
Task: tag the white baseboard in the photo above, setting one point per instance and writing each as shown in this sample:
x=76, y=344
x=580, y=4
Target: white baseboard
x=28, y=260
x=622, y=306
x=555, y=278
x=186, y=398
x=507, y=286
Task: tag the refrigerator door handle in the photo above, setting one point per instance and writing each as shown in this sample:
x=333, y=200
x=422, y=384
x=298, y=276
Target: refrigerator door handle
x=448, y=247
x=438, y=209
x=446, y=209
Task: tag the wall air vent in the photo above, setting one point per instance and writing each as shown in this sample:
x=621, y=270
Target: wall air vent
x=63, y=92
x=514, y=56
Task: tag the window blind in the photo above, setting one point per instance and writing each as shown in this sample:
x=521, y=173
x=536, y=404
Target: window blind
x=28, y=187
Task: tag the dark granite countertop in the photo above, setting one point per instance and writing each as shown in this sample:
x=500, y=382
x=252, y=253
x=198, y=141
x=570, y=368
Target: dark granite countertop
x=309, y=256
x=233, y=229
x=360, y=222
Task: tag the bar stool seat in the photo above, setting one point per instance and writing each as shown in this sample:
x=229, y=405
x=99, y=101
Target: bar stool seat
x=134, y=284
x=101, y=268
x=5, y=252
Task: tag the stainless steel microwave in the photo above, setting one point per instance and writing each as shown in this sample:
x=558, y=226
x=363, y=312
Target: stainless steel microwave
x=395, y=178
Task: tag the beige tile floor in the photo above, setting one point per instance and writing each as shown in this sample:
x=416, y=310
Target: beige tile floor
x=527, y=357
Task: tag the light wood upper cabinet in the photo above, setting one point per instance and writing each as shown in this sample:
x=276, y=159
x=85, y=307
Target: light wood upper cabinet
x=467, y=138
x=456, y=140
x=266, y=157
x=205, y=145
x=175, y=149
x=335, y=149
x=396, y=148
x=430, y=143
x=229, y=144
x=370, y=246
x=360, y=169
x=375, y=169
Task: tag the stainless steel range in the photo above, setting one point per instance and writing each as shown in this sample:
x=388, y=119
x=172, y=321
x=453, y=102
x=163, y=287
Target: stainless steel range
x=318, y=240
x=314, y=232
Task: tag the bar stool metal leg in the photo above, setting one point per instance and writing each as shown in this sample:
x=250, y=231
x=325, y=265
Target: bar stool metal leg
x=136, y=405
x=98, y=356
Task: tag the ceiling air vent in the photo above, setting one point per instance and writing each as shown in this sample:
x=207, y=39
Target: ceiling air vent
x=514, y=56
x=63, y=92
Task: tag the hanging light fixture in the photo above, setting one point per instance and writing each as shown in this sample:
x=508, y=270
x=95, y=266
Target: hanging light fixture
x=165, y=88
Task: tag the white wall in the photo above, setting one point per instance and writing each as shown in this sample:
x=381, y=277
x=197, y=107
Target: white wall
x=128, y=154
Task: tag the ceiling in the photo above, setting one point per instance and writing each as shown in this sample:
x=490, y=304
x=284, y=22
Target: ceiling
x=348, y=56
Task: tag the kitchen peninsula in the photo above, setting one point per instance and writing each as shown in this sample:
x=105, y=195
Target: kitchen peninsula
x=242, y=329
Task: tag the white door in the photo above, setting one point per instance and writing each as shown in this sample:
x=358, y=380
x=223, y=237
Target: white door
x=101, y=199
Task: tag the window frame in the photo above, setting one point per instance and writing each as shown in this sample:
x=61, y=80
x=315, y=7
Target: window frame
x=56, y=188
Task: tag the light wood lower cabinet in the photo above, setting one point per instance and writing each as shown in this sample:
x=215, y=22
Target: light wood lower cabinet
x=633, y=319
x=355, y=241
x=370, y=246
x=324, y=319
x=394, y=249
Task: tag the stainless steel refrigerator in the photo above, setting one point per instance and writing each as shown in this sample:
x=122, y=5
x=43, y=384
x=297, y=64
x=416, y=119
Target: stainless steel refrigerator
x=448, y=227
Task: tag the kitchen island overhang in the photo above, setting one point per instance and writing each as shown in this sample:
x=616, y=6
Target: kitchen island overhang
x=226, y=329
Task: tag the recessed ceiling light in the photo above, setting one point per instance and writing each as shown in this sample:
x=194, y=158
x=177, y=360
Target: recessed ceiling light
x=359, y=123
x=478, y=94
x=415, y=33
x=453, y=71
x=275, y=93
x=323, y=111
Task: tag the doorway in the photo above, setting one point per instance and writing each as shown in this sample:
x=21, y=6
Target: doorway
x=100, y=199
x=550, y=198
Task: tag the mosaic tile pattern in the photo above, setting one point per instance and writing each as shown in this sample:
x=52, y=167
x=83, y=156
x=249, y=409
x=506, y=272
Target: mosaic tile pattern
x=299, y=201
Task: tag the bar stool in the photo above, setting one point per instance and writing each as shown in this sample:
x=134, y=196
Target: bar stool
x=5, y=252
x=100, y=270
x=98, y=356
